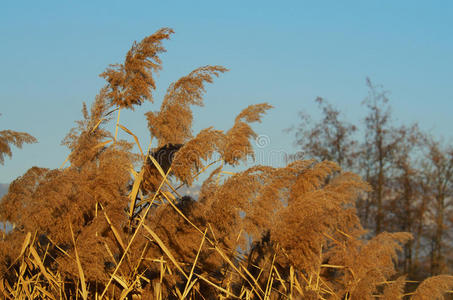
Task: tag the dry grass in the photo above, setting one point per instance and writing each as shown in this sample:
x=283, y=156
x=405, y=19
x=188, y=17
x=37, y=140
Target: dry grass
x=99, y=229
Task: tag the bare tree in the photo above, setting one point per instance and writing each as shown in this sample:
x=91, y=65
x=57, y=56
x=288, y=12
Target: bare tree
x=331, y=138
x=377, y=152
x=405, y=208
x=438, y=176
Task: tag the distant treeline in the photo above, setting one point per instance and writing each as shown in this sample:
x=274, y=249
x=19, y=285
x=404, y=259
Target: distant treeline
x=410, y=172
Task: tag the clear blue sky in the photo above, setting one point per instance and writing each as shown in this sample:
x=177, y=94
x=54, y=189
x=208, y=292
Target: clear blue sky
x=285, y=53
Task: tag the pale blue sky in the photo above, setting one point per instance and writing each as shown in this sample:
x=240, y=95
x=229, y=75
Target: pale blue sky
x=285, y=53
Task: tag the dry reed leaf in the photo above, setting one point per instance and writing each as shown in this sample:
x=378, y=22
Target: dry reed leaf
x=42, y=268
x=24, y=247
x=134, y=191
x=134, y=136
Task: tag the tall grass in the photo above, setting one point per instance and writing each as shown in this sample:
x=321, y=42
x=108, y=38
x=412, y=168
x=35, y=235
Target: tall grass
x=112, y=224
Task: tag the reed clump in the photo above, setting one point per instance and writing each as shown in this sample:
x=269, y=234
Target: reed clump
x=112, y=224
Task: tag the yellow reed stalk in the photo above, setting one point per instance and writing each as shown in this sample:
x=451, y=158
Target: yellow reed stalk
x=115, y=232
x=140, y=260
x=327, y=290
x=297, y=286
x=121, y=281
x=216, y=286
x=177, y=293
x=97, y=125
x=157, y=165
x=125, y=292
x=135, y=138
x=158, y=291
x=184, y=216
x=218, y=174
x=135, y=188
x=44, y=292
x=212, y=232
x=332, y=266
x=270, y=278
x=251, y=276
x=109, y=252
x=18, y=283
x=65, y=161
x=59, y=248
x=6, y=289
x=100, y=145
x=319, y=270
x=269, y=291
x=79, y=266
x=117, y=123
x=165, y=249
x=187, y=289
x=199, y=173
x=279, y=278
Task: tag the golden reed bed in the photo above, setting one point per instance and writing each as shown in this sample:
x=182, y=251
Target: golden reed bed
x=111, y=224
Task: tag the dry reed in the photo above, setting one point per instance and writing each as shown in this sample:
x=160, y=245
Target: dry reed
x=99, y=229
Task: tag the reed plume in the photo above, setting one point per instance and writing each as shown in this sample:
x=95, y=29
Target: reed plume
x=173, y=123
x=131, y=83
x=16, y=138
